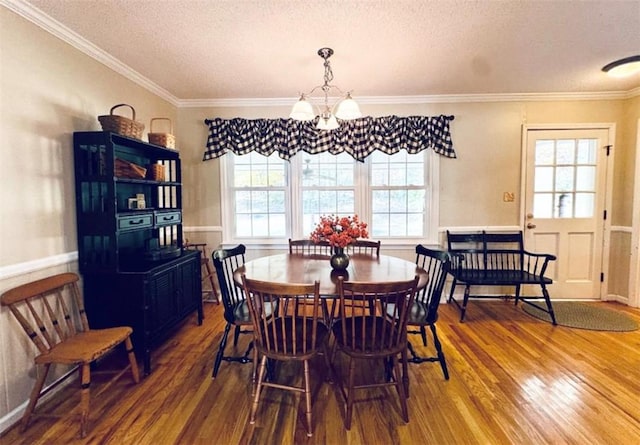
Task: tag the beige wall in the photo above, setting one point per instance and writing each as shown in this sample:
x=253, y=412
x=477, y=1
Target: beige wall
x=487, y=138
x=49, y=90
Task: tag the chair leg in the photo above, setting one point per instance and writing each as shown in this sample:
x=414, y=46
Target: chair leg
x=236, y=335
x=223, y=344
x=350, y=393
x=517, y=294
x=453, y=287
x=441, y=359
x=547, y=299
x=258, y=388
x=307, y=396
x=132, y=360
x=400, y=387
x=35, y=394
x=85, y=374
x=405, y=370
x=423, y=334
x=463, y=310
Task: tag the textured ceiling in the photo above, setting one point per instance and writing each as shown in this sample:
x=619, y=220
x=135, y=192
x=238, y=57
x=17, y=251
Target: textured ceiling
x=206, y=49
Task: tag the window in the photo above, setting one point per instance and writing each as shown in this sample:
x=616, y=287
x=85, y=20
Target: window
x=268, y=200
x=565, y=178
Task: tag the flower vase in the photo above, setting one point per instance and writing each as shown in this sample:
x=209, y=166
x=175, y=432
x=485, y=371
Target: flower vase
x=339, y=260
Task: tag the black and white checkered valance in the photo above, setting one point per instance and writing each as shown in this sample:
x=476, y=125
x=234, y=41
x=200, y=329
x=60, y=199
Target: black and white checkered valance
x=358, y=137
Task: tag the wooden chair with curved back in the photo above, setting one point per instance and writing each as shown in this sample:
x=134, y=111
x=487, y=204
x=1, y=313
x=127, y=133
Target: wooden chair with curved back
x=209, y=292
x=365, y=335
x=309, y=247
x=365, y=247
x=424, y=311
x=297, y=336
x=51, y=312
x=236, y=311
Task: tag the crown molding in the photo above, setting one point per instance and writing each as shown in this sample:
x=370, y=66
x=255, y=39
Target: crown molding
x=423, y=99
x=55, y=28
x=65, y=34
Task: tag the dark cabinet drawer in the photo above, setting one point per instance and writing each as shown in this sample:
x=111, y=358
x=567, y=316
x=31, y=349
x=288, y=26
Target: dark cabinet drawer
x=168, y=218
x=135, y=222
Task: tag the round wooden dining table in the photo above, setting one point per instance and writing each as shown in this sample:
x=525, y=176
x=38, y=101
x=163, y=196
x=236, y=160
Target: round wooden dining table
x=305, y=268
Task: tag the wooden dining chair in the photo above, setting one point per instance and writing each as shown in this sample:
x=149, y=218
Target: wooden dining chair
x=298, y=336
x=424, y=311
x=51, y=312
x=209, y=292
x=309, y=247
x=365, y=247
x=366, y=336
x=236, y=311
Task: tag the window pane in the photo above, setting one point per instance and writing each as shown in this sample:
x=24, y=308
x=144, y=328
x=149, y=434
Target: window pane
x=277, y=224
x=398, y=201
x=564, y=179
x=542, y=205
x=380, y=201
x=276, y=202
x=415, y=174
x=543, y=179
x=259, y=224
x=586, y=151
x=260, y=201
x=585, y=204
x=243, y=202
x=586, y=179
x=398, y=224
x=565, y=151
x=415, y=202
x=243, y=225
x=563, y=205
x=379, y=225
x=544, y=152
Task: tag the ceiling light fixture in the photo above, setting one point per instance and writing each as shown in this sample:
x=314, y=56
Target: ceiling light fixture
x=624, y=67
x=345, y=109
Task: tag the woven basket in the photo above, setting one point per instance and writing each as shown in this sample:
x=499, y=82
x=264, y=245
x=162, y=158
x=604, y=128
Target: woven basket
x=163, y=139
x=155, y=172
x=126, y=169
x=122, y=125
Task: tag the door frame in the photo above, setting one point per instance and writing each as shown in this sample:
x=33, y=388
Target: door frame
x=606, y=229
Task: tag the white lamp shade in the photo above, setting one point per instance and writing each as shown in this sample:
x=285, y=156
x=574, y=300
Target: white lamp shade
x=302, y=111
x=327, y=124
x=348, y=109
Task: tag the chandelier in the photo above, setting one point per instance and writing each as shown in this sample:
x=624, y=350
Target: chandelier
x=345, y=109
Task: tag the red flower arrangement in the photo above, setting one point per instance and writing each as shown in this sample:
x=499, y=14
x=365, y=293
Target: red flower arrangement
x=339, y=231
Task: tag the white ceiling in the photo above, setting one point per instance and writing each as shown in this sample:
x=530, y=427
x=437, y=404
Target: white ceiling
x=261, y=49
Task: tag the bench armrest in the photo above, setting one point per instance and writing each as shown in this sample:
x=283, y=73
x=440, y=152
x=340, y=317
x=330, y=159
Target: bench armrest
x=537, y=263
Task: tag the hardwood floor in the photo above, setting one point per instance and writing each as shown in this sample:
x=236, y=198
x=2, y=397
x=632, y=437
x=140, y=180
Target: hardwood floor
x=514, y=380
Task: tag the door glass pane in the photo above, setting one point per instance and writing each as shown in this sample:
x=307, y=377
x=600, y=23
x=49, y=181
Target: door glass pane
x=542, y=205
x=585, y=179
x=563, y=205
x=585, y=204
x=543, y=179
x=586, y=151
x=544, y=152
x=565, y=151
x=564, y=179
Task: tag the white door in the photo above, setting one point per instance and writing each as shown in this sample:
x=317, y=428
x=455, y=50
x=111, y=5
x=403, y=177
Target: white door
x=565, y=206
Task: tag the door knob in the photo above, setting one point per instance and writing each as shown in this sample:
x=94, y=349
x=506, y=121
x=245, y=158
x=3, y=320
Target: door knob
x=531, y=226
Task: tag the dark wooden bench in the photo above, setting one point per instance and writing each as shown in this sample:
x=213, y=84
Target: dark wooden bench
x=497, y=259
